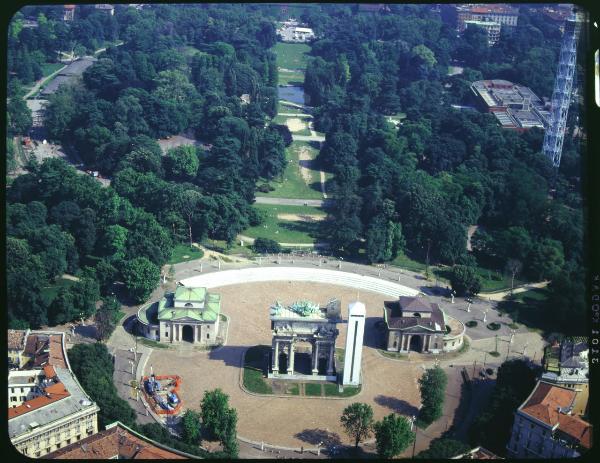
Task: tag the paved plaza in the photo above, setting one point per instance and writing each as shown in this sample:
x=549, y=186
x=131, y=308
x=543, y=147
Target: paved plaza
x=390, y=385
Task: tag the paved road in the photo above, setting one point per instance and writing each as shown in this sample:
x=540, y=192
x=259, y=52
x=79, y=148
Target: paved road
x=312, y=137
x=249, y=240
x=291, y=201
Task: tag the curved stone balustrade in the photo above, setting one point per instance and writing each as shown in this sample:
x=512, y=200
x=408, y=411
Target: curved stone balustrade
x=315, y=275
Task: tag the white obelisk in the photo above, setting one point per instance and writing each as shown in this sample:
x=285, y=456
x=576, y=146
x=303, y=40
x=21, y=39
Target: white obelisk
x=354, y=341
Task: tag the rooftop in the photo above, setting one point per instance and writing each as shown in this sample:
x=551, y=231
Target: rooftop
x=478, y=453
x=306, y=310
x=62, y=399
x=16, y=339
x=117, y=441
x=546, y=402
x=179, y=305
x=399, y=314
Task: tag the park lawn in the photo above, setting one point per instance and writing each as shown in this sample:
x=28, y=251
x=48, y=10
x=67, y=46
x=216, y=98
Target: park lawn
x=286, y=231
x=291, y=78
x=291, y=55
x=405, y=262
x=292, y=184
x=253, y=370
x=50, y=68
x=332, y=390
x=233, y=250
x=180, y=251
x=50, y=292
x=491, y=280
x=282, y=120
x=537, y=294
x=312, y=389
x=282, y=107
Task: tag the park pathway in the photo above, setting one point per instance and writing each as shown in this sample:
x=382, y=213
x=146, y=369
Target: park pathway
x=500, y=295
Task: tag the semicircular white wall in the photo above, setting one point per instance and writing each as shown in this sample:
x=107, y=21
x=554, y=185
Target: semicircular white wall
x=316, y=275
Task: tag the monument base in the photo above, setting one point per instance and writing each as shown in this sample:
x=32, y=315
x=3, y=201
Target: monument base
x=301, y=377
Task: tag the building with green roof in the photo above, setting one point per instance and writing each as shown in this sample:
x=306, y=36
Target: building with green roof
x=187, y=315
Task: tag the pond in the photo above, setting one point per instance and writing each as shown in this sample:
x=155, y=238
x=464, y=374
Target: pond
x=293, y=93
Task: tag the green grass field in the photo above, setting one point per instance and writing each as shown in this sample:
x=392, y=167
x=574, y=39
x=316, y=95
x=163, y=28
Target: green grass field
x=49, y=293
x=313, y=389
x=49, y=68
x=291, y=55
x=292, y=185
x=291, y=78
x=253, y=370
x=282, y=107
x=331, y=390
x=286, y=231
x=183, y=253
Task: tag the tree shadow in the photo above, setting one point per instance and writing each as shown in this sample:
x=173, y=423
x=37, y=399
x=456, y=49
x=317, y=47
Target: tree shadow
x=87, y=331
x=315, y=436
x=402, y=407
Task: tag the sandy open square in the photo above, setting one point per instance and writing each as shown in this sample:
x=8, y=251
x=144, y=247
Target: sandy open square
x=295, y=124
x=302, y=217
x=388, y=386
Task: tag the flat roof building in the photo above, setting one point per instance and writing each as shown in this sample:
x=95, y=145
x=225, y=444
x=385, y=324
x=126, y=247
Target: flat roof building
x=492, y=29
x=514, y=106
x=56, y=410
x=504, y=15
x=68, y=74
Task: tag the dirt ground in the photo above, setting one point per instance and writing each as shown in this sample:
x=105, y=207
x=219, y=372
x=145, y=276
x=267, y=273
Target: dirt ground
x=295, y=124
x=305, y=160
x=388, y=386
x=301, y=217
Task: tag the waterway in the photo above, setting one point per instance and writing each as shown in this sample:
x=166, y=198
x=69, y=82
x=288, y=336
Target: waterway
x=293, y=93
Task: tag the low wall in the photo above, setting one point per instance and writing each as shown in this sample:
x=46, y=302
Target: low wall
x=326, y=276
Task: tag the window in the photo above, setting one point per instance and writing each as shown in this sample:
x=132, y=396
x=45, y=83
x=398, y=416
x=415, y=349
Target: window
x=166, y=333
x=207, y=335
x=189, y=304
x=37, y=454
x=68, y=441
x=47, y=449
x=58, y=445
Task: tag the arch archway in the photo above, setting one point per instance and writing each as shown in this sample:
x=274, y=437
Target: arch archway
x=416, y=343
x=187, y=334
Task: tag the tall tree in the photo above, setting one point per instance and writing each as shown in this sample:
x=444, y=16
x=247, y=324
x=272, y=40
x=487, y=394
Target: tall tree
x=393, y=435
x=357, y=421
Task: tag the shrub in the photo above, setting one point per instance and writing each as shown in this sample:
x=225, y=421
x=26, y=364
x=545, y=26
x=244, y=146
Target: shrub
x=471, y=323
x=494, y=326
x=263, y=245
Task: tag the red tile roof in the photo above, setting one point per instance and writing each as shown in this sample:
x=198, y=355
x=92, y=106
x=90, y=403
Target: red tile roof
x=117, y=441
x=545, y=400
x=52, y=394
x=57, y=356
x=577, y=428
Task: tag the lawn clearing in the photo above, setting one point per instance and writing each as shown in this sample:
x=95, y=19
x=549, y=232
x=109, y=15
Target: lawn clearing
x=291, y=78
x=285, y=107
x=312, y=389
x=183, y=253
x=254, y=360
x=49, y=293
x=291, y=56
x=298, y=181
x=332, y=390
x=285, y=231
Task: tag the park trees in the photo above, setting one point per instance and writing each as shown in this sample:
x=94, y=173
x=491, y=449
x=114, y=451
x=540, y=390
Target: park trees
x=464, y=280
x=107, y=317
x=443, y=448
x=141, y=277
x=92, y=364
x=266, y=245
x=393, y=435
x=182, y=163
x=357, y=421
x=433, y=390
x=190, y=425
x=219, y=420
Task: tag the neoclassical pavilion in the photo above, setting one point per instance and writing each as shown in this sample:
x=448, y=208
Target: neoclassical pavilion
x=188, y=315
x=415, y=324
x=304, y=322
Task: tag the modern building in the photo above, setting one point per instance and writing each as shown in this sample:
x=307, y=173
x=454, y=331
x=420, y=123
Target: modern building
x=68, y=12
x=16, y=348
x=188, y=315
x=57, y=411
x=514, y=106
x=545, y=426
x=106, y=8
x=415, y=324
x=492, y=29
x=291, y=31
x=566, y=364
x=118, y=441
x=505, y=15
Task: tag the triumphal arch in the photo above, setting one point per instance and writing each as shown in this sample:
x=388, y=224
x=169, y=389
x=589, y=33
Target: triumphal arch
x=304, y=323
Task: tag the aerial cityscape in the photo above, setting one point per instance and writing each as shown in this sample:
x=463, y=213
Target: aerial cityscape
x=297, y=231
